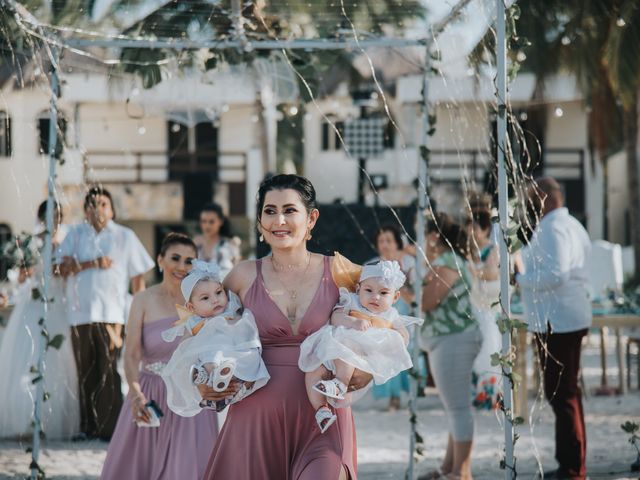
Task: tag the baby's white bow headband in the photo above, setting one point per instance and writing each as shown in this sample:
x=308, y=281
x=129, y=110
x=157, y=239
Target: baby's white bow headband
x=388, y=270
x=200, y=271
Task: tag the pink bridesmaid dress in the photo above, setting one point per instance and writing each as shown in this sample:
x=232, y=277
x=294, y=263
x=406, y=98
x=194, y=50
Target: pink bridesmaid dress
x=179, y=448
x=272, y=434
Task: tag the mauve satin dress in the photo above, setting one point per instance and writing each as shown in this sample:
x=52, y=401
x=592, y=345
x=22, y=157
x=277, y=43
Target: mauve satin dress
x=179, y=448
x=272, y=434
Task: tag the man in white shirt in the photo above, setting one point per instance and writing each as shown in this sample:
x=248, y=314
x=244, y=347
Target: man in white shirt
x=558, y=310
x=100, y=259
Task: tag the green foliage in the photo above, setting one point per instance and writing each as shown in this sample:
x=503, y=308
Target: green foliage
x=56, y=342
x=145, y=62
x=23, y=251
x=630, y=427
x=622, y=52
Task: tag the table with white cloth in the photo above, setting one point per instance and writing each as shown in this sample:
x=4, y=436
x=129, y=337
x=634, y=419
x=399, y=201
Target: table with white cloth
x=601, y=320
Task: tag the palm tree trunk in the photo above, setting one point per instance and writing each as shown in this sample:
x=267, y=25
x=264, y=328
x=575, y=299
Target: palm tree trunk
x=630, y=118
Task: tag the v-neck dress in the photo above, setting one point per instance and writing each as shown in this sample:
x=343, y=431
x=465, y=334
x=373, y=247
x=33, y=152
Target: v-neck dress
x=273, y=434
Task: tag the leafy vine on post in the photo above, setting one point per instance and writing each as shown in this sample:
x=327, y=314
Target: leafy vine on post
x=632, y=428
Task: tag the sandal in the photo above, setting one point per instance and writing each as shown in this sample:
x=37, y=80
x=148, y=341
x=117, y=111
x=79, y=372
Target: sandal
x=325, y=418
x=198, y=374
x=222, y=375
x=333, y=388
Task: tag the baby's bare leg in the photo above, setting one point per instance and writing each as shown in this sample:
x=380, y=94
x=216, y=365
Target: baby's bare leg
x=316, y=399
x=344, y=371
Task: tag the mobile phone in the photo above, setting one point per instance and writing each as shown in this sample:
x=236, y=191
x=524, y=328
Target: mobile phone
x=155, y=412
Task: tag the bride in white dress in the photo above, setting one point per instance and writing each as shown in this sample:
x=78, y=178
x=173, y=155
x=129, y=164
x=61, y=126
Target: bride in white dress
x=19, y=352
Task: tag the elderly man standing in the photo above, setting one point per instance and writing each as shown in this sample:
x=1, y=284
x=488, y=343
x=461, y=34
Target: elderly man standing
x=558, y=310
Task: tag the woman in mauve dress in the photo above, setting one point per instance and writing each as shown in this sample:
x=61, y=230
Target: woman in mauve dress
x=273, y=433
x=180, y=446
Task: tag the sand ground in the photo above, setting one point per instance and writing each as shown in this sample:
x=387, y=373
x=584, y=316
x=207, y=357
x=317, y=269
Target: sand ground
x=383, y=438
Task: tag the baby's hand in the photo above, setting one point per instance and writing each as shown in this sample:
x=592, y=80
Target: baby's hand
x=360, y=324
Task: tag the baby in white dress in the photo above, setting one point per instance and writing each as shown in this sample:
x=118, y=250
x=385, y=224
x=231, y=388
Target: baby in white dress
x=365, y=333
x=222, y=345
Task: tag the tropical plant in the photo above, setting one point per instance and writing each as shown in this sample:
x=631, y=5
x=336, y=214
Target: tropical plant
x=598, y=41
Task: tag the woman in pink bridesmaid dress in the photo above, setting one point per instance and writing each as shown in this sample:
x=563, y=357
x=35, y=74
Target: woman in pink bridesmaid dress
x=179, y=447
x=273, y=433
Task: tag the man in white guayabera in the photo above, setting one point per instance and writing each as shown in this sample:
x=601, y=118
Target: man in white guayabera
x=557, y=307
x=100, y=259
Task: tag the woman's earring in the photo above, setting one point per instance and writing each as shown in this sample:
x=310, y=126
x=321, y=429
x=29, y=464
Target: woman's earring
x=309, y=237
x=261, y=238
x=161, y=269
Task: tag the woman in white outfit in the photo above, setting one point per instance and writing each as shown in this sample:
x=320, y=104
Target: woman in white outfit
x=19, y=352
x=485, y=291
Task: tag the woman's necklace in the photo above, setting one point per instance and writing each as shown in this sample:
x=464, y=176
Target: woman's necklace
x=292, y=305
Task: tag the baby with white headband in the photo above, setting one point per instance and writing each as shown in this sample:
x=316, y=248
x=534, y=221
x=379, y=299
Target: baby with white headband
x=222, y=344
x=365, y=333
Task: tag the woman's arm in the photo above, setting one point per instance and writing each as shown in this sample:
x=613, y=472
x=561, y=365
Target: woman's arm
x=138, y=284
x=436, y=287
x=132, y=357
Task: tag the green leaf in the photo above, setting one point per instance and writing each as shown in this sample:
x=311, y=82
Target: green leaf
x=46, y=396
x=35, y=294
x=56, y=342
x=518, y=421
x=503, y=325
x=630, y=427
x=496, y=359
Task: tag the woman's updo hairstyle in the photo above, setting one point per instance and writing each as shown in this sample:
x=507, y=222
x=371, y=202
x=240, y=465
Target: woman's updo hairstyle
x=174, y=238
x=284, y=182
x=452, y=235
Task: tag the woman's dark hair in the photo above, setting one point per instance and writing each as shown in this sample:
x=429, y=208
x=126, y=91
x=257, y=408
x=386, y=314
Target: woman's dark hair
x=283, y=182
x=393, y=230
x=174, y=238
x=42, y=211
x=480, y=217
x=452, y=235
x=225, y=228
x=96, y=191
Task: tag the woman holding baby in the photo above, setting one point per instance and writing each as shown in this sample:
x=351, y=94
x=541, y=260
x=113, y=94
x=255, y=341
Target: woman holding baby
x=179, y=447
x=273, y=433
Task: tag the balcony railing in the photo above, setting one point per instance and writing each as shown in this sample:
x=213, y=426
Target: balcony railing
x=154, y=166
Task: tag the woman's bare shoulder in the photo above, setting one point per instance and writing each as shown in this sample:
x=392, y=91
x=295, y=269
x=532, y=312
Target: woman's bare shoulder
x=150, y=294
x=241, y=277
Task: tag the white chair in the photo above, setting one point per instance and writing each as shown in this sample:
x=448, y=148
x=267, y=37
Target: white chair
x=606, y=268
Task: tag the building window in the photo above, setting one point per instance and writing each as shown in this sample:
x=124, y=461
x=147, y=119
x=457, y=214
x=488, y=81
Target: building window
x=193, y=160
x=192, y=149
x=331, y=138
x=43, y=127
x=5, y=134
